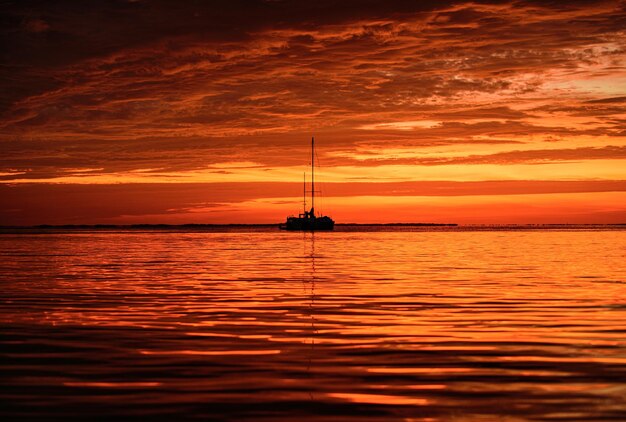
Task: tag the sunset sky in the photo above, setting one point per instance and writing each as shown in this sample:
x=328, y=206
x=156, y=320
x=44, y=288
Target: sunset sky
x=202, y=112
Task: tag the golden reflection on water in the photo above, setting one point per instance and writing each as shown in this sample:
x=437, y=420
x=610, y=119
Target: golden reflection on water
x=358, y=325
x=210, y=352
x=379, y=398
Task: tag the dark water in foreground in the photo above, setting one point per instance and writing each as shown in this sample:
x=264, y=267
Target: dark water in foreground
x=386, y=325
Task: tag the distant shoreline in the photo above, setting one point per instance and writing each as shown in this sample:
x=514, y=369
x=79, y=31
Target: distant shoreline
x=340, y=227
x=194, y=225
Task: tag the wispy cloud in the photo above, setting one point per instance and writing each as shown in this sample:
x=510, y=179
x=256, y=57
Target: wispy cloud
x=148, y=91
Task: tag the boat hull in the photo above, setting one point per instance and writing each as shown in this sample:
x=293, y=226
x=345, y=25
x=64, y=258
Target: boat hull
x=308, y=224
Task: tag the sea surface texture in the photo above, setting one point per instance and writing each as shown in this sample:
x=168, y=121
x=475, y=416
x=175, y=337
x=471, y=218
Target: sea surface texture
x=425, y=325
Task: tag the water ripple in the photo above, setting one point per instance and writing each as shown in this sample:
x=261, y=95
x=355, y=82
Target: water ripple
x=427, y=325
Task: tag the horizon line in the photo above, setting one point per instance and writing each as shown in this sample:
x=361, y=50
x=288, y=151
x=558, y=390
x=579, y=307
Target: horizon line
x=217, y=225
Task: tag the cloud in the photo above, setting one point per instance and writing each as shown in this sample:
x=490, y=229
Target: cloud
x=91, y=204
x=276, y=75
x=612, y=100
x=122, y=87
x=536, y=156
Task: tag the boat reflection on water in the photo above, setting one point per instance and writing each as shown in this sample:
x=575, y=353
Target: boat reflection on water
x=311, y=293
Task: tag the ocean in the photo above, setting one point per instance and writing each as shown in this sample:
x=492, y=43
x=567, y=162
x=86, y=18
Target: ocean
x=379, y=324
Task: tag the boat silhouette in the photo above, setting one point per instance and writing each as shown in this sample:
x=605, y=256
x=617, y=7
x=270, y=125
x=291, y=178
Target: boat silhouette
x=309, y=220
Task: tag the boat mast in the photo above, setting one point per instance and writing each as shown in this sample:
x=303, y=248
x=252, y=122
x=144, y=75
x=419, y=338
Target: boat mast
x=312, y=176
x=304, y=192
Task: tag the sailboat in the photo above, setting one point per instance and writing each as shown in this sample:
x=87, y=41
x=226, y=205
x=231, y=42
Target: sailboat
x=308, y=220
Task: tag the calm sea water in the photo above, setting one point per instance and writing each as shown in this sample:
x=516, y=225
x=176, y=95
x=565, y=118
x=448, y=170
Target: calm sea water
x=387, y=325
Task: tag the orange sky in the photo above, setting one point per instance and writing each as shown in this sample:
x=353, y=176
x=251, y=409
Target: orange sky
x=466, y=112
